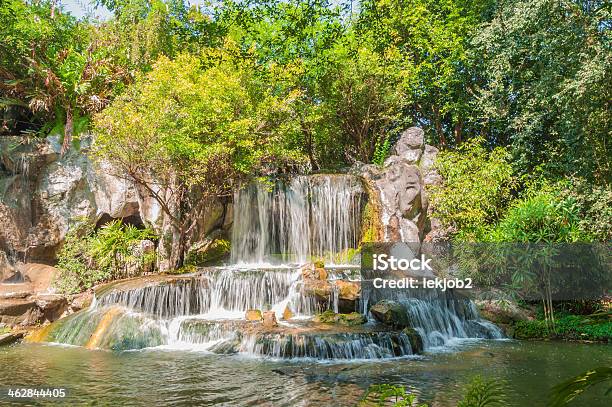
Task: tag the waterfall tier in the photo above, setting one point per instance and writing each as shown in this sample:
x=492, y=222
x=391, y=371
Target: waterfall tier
x=308, y=217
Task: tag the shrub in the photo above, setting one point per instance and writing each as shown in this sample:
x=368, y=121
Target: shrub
x=540, y=216
x=567, y=327
x=478, y=185
x=89, y=257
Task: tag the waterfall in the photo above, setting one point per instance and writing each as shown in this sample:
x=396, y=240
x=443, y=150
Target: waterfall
x=275, y=227
x=307, y=217
x=436, y=315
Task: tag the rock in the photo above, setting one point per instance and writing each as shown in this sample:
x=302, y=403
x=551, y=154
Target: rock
x=253, y=315
x=51, y=305
x=11, y=337
x=410, y=145
x=40, y=276
x=415, y=339
x=391, y=313
x=143, y=258
x=348, y=290
x=313, y=272
x=81, y=301
x=269, y=319
x=330, y=317
x=213, y=249
x=320, y=289
x=22, y=312
x=502, y=311
x=398, y=189
x=8, y=273
x=287, y=314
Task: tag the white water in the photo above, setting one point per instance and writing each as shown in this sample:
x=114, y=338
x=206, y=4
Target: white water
x=307, y=217
x=316, y=216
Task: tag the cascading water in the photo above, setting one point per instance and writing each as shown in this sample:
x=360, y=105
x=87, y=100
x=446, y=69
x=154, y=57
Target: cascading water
x=307, y=217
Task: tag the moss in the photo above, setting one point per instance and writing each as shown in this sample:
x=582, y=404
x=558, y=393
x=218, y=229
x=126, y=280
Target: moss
x=371, y=224
x=209, y=254
x=330, y=317
x=319, y=264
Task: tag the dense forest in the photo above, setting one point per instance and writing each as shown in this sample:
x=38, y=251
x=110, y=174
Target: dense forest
x=515, y=93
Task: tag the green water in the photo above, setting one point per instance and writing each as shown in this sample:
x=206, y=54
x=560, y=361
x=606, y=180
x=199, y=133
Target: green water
x=181, y=378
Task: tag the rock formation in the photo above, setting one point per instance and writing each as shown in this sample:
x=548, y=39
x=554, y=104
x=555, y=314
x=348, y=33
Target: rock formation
x=400, y=188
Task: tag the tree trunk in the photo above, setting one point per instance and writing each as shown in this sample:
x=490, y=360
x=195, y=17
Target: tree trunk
x=177, y=248
x=68, y=130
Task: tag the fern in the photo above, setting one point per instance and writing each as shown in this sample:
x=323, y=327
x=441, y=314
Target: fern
x=565, y=392
x=484, y=393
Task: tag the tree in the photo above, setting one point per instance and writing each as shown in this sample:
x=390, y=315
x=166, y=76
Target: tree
x=191, y=130
x=434, y=37
x=477, y=187
x=547, y=91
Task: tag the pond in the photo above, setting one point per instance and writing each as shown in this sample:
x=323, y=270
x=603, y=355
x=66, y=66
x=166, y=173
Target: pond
x=163, y=377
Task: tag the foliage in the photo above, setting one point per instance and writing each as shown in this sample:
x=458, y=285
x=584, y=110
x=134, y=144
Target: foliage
x=384, y=394
x=546, y=65
x=593, y=205
x=567, y=391
x=434, y=38
x=195, y=127
x=89, y=256
x=482, y=392
x=53, y=69
x=212, y=253
x=575, y=327
x=540, y=216
x=478, y=185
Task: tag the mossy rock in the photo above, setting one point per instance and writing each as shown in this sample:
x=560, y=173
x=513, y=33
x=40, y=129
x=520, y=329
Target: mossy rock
x=391, y=313
x=416, y=342
x=330, y=317
x=208, y=252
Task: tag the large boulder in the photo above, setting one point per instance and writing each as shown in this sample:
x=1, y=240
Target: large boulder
x=410, y=145
x=400, y=187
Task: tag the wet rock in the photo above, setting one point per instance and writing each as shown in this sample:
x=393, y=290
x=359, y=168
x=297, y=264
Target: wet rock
x=20, y=312
x=330, y=317
x=348, y=290
x=253, y=315
x=415, y=339
x=269, y=319
x=320, y=289
x=391, y=313
x=313, y=272
x=81, y=301
x=287, y=314
x=51, y=305
x=399, y=189
x=10, y=338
